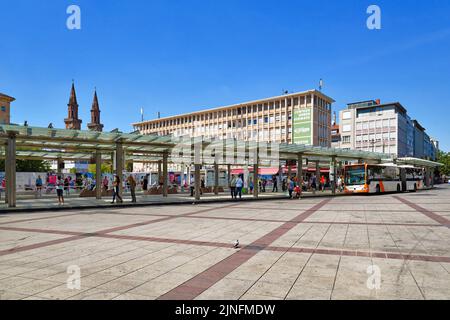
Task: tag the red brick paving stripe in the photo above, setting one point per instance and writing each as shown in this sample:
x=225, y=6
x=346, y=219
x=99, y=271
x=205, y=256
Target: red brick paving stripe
x=139, y=224
x=250, y=249
x=280, y=220
x=50, y=231
x=80, y=235
x=428, y=213
x=39, y=245
x=203, y=281
x=41, y=218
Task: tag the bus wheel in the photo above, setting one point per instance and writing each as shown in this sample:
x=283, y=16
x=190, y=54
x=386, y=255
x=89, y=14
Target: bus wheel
x=378, y=191
x=398, y=188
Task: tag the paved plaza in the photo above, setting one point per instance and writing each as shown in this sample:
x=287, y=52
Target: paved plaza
x=394, y=246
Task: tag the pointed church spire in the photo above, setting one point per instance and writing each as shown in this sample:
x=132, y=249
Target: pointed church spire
x=95, y=101
x=95, y=124
x=73, y=96
x=72, y=121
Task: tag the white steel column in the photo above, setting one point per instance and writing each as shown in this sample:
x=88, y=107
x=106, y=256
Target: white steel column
x=11, y=169
x=98, y=175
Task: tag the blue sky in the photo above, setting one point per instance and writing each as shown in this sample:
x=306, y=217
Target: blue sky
x=180, y=56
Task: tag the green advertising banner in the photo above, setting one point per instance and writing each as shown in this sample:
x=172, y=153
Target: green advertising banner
x=302, y=127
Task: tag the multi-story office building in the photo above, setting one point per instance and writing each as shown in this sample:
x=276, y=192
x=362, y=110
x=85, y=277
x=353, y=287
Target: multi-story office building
x=5, y=108
x=302, y=117
x=372, y=126
x=424, y=146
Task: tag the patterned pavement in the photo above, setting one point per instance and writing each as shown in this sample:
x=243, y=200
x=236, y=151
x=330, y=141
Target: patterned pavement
x=394, y=246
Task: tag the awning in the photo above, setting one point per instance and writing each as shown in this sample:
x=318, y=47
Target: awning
x=261, y=171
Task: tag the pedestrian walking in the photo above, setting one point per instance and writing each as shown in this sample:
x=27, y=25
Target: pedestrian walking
x=3, y=187
x=275, y=184
x=313, y=184
x=322, y=183
x=66, y=185
x=239, y=185
x=105, y=183
x=132, y=183
x=192, y=187
x=60, y=190
x=145, y=183
x=39, y=187
x=116, y=188
x=291, y=186
x=233, y=187
x=339, y=184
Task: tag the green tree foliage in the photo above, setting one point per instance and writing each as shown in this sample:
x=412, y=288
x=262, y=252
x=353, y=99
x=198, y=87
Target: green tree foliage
x=106, y=168
x=28, y=166
x=444, y=158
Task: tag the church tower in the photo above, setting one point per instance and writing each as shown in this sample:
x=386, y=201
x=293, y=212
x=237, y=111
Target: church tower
x=95, y=124
x=72, y=121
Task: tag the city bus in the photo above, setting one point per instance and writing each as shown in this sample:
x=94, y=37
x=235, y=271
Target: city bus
x=379, y=178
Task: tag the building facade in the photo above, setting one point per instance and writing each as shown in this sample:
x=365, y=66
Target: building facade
x=387, y=128
x=5, y=108
x=302, y=117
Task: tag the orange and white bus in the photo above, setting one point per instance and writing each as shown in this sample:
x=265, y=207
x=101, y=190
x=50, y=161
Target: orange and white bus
x=379, y=178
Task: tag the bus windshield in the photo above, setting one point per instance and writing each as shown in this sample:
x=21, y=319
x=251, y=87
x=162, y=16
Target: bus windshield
x=355, y=175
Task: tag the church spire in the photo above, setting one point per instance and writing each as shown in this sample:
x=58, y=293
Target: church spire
x=72, y=121
x=95, y=124
x=73, y=96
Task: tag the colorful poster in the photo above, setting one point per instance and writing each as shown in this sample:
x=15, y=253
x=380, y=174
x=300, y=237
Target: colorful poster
x=302, y=126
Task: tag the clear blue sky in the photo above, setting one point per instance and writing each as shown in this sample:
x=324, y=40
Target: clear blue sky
x=179, y=56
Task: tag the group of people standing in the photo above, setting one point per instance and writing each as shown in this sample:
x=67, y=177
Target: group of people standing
x=236, y=185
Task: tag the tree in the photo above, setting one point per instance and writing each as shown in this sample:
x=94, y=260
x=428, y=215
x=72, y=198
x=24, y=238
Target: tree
x=28, y=165
x=444, y=158
x=106, y=168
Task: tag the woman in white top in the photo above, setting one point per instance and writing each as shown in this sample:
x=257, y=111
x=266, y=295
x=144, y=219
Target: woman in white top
x=60, y=190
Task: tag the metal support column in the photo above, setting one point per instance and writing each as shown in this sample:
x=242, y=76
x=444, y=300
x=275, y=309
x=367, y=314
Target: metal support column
x=197, y=184
x=60, y=164
x=289, y=170
x=11, y=169
x=255, y=180
x=120, y=165
x=300, y=170
x=165, y=175
x=98, y=175
x=333, y=175
x=159, y=172
x=216, y=179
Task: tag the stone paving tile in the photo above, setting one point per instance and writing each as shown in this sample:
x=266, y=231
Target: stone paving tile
x=324, y=257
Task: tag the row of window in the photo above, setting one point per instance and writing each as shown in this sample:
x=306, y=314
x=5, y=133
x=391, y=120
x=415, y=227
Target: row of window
x=273, y=105
x=384, y=123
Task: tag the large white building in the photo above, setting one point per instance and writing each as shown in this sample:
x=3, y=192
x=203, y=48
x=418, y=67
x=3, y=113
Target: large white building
x=372, y=126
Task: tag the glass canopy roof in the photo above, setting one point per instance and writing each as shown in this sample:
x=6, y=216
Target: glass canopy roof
x=46, y=143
